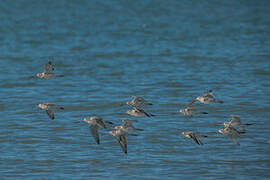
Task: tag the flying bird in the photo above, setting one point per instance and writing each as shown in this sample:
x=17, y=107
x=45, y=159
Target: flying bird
x=138, y=112
x=48, y=72
x=95, y=122
x=190, y=109
x=138, y=102
x=126, y=129
x=120, y=135
x=49, y=108
x=194, y=136
x=236, y=123
x=208, y=98
x=231, y=132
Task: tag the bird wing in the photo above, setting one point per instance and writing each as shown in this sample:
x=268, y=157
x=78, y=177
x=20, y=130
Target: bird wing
x=242, y=129
x=139, y=102
x=101, y=123
x=127, y=122
x=142, y=101
x=196, y=139
x=94, y=132
x=145, y=113
x=234, y=132
x=123, y=142
x=48, y=67
x=192, y=103
x=208, y=93
x=234, y=140
x=50, y=113
x=235, y=122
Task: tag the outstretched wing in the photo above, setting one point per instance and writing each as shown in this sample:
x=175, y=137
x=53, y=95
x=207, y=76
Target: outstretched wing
x=142, y=101
x=191, y=103
x=145, y=113
x=196, y=139
x=101, y=123
x=234, y=140
x=234, y=132
x=235, y=122
x=94, y=132
x=123, y=143
x=49, y=68
x=50, y=113
x=139, y=102
x=208, y=93
x=127, y=122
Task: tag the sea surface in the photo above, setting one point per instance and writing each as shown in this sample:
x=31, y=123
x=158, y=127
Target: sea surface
x=108, y=51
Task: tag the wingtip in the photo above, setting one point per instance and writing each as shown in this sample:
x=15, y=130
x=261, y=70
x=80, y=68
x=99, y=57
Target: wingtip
x=152, y=115
x=109, y=122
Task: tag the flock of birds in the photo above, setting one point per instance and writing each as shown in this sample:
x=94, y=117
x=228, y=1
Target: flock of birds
x=233, y=129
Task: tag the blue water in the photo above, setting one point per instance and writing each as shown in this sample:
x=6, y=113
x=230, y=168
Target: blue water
x=165, y=51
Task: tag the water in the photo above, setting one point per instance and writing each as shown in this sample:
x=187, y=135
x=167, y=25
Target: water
x=167, y=52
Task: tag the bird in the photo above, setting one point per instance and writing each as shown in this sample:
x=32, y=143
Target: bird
x=120, y=135
x=208, y=98
x=194, y=136
x=138, y=102
x=49, y=107
x=126, y=129
x=190, y=110
x=236, y=123
x=95, y=122
x=138, y=112
x=48, y=72
x=128, y=126
x=231, y=132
